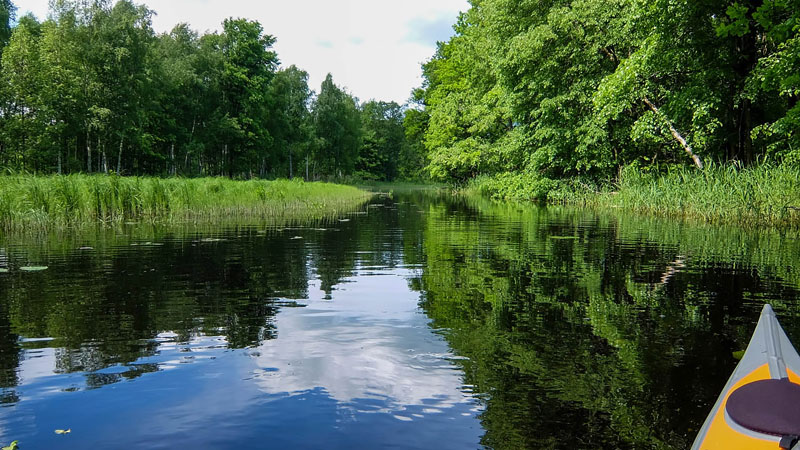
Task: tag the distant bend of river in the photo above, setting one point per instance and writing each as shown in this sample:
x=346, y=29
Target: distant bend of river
x=423, y=321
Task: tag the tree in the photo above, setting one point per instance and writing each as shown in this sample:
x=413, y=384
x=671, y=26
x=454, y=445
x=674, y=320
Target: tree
x=175, y=111
x=21, y=73
x=413, y=157
x=290, y=120
x=121, y=40
x=7, y=10
x=248, y=68
x=382, y=140
x=61, y=91
x=337, y=125
x=580, y=88
x=94, y=89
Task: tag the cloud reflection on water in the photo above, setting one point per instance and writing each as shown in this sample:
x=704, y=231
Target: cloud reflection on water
x=361, y=350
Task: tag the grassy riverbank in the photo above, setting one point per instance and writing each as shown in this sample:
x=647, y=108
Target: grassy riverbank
x=63, y=201
x=762, y=195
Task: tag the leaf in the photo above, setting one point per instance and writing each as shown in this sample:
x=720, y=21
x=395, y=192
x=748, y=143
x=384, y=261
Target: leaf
x=738, y=355
x=33, y=268
x=3, y=270
x=12, y=446
x=67, y=431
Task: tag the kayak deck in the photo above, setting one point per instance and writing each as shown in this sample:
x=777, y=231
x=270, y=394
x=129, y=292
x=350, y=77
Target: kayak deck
x=770, y=355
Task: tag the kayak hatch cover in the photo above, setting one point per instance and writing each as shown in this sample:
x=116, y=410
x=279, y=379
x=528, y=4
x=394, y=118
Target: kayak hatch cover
x=760, y=405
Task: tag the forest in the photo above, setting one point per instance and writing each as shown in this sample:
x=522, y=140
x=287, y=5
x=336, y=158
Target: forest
x=94, y=89
x=527, y=97
x=534, y=92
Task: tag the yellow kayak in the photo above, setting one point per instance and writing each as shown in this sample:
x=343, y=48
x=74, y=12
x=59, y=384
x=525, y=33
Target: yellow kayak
x=760, y=406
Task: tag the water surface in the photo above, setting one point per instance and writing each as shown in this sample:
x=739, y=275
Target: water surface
x=423, y=321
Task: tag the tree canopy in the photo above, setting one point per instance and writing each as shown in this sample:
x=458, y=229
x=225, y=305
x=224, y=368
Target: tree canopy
x=95, y=89
x=543, y=90
x=570, y=88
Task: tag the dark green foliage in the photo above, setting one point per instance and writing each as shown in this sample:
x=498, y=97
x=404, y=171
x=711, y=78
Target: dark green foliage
x=413, y=157
x=337, y=123
x=290, y=125
x=7, y=10
x=95, y=89
x=383, y=139
x=580, y=88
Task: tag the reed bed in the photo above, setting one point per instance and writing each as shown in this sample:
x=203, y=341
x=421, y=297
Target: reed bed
x=762, y=195
x=73, y=200
x=756, y=196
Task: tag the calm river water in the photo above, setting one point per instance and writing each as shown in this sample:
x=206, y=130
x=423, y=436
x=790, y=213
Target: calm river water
x=422, y=321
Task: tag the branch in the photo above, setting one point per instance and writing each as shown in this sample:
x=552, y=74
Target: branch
x=676, y=135
x=611, y=55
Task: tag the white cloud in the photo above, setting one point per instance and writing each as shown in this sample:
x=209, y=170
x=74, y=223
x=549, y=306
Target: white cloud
x=372, y=47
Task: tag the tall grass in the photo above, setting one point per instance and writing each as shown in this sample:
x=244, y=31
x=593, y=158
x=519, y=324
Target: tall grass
x=72, y=200
x=762, y=195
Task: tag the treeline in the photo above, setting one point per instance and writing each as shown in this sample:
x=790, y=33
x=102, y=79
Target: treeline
x=94, y=89
x=578, y=89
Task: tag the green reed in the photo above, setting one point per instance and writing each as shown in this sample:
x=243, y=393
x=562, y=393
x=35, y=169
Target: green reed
x=761, y=195
x=765, y=194
x=73, y=200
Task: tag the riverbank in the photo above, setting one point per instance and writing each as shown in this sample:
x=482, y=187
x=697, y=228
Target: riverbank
x=764, y=195
x=73, y=200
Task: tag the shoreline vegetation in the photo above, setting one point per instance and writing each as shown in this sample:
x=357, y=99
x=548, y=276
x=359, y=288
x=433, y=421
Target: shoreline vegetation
x=762, y=195
x=680, y=109
x=615, y=105
x=63, y=201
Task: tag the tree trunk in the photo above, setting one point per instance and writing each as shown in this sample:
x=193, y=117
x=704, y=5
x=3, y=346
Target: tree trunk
x=59, y=161
x=291, y=175
x=105, y=160
x=172, y=159
x=88, y=152
x=119, y=156
x=676, y=135
x=306, y=167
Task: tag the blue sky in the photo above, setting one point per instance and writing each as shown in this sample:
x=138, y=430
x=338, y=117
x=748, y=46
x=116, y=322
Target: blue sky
x=372, y=47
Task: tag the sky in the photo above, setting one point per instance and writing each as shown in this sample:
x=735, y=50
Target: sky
x=373, y=48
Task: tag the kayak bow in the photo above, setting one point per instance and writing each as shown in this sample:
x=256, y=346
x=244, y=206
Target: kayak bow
x=760, y=405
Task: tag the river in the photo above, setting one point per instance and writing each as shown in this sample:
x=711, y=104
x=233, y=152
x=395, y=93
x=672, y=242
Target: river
x=425, y=320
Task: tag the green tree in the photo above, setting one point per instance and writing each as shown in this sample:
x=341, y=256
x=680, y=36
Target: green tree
x=122, y=39
x=468, y=109
x=248, y=68
x=290, y=120
x=175, y=110
x=21, y=73
x=382, y=140
x=61, y=91
x=337, y=125
x=7, y=10
x=580, y=88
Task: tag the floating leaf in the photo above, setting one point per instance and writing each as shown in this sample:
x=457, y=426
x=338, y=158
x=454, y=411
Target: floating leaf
x=738, y=355
x=33, y=268
x=12, y=446
x=68, y=430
